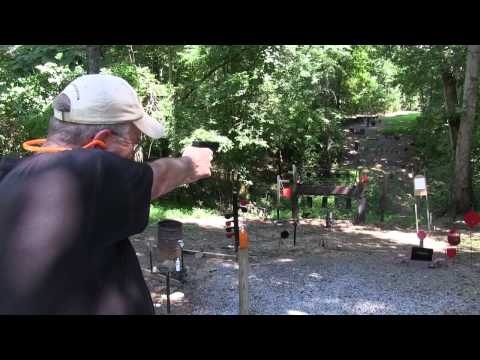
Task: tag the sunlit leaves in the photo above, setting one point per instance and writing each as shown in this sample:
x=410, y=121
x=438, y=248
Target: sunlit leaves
x=257, y=100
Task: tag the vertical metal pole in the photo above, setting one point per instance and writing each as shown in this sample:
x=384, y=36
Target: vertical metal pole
x=150, y=255
x=168, y=292
x=294, y=232
x=416, y=214
x=428, y=213
x=294, y=198
x=426, y=199
x=181, y=258
x=471, y=250
x=278, y=197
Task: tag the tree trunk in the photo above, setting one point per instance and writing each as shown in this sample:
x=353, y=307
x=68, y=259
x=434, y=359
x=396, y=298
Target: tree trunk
x=450, y=94
x=131, y=54
x=451, y=103
x=170, y=64
x=93, y=59
x=463, y=168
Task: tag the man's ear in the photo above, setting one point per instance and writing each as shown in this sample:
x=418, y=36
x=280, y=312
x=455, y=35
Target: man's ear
x=102, y=135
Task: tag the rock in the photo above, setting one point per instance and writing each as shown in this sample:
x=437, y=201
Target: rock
x=438, y=263
x=174, y=297
x=177, y=296
x=169, y=264
x=199, y=255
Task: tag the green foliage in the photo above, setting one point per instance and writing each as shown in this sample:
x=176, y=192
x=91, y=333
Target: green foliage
x=433, y=150
x=22, y=60
x=25, y=102
x=402, y=124
x=208, y=135
x=168, y=210
x=420, y=70
x=10, y=132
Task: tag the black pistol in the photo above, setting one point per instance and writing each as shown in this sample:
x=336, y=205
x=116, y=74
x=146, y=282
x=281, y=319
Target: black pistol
x=212, y=145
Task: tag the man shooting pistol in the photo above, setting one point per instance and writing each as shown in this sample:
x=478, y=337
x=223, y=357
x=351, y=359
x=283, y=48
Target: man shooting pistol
x=67, y=211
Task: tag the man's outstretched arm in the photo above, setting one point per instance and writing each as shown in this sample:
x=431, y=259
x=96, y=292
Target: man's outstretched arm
x=169, y=173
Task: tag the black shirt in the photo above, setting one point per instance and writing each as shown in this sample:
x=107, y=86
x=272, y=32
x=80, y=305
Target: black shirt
x=65, y=219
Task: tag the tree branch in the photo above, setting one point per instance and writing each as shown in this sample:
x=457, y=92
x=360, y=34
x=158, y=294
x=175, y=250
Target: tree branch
x=210, y=73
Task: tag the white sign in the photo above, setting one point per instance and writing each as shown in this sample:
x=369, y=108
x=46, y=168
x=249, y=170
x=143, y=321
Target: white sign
x=420, y=185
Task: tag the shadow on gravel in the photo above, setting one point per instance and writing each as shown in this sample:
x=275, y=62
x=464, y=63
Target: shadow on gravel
x=265, y=239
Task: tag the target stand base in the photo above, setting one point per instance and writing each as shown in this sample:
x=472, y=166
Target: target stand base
x=421, y=254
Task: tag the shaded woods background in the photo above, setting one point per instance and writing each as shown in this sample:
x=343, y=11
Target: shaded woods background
x=268, y=106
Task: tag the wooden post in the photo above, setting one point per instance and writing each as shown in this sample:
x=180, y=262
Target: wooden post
x=243, y=267
x=324, y=202
x=383, y=197
x=235, y=219
x=348, y=203
x=362, y=205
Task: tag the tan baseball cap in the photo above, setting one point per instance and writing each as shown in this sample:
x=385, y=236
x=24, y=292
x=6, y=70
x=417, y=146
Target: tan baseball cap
x=105, y=99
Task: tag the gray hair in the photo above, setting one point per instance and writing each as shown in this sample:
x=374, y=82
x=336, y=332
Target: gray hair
x=80, y=134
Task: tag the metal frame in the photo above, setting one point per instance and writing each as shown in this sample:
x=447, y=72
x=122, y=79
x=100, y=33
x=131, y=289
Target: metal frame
x=416, y=206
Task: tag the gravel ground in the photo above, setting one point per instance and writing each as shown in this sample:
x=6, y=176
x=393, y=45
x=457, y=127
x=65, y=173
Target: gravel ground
x=363, y=270
x=343, y=282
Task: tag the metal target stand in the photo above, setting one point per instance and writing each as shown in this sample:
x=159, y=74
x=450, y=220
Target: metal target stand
x=171, y=245
x=325, y=189
x=420, y=191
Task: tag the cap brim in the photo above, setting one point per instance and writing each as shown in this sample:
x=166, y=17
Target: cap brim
x=150, y=127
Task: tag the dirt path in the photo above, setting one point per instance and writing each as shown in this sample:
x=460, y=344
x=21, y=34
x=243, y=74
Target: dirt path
x=381, y=153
